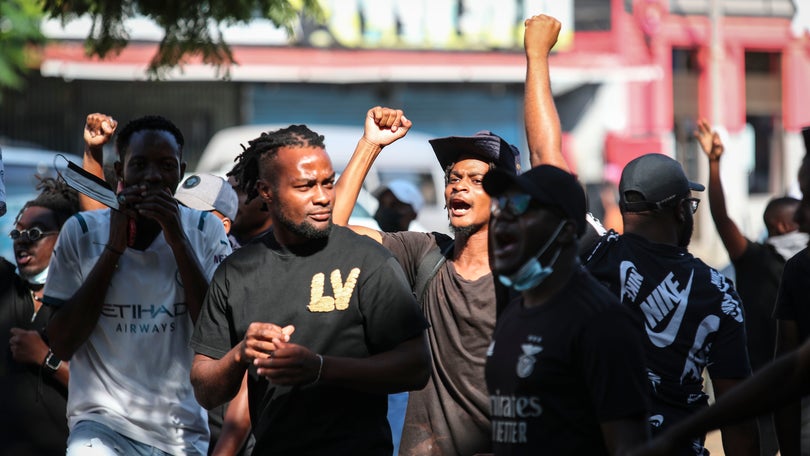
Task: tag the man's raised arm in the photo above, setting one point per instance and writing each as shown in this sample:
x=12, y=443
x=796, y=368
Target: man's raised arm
x=98, y=131
x=543, y=132
x=383, y=126
x=712, y=146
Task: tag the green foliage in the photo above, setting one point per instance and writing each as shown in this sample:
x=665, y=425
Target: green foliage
x=192, y=27
x=19, y=29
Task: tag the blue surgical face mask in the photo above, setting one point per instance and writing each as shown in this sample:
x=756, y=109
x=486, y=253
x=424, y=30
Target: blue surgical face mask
x=37, y=279
x=532, y=273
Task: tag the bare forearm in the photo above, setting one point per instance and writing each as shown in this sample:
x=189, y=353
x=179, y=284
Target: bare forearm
x=350, y=182
x=733, y=240
x=72, y=324
x=235, y=424
x=216, y=381
x=93, y=163
x=717, y=197
x=749, y=399
x=543, y=131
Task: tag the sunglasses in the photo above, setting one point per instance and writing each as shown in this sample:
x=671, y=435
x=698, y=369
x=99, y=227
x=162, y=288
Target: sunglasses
x=693, y=203
x=30, y=235
x=514, y=205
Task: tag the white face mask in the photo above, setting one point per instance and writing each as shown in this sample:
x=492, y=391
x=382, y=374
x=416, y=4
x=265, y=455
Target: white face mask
x=788, y=244
x=533, y=273
x=37, y=279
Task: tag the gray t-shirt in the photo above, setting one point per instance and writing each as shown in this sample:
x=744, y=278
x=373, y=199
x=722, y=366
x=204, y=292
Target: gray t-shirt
x=451, y=414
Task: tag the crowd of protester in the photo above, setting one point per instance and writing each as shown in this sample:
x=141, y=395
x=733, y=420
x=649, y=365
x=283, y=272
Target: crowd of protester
x=194, y=317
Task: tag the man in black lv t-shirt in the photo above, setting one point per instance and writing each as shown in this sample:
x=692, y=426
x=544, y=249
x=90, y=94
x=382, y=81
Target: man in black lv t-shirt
x=321, y=318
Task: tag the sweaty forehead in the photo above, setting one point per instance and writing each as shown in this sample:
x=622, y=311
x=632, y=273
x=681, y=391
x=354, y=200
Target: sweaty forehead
x=298, y=162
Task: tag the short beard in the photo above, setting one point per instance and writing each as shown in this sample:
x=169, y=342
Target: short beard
x=686, y=235
x=304, y=229
x=465, y=231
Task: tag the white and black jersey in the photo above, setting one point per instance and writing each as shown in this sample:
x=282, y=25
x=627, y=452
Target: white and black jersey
x=693, y=320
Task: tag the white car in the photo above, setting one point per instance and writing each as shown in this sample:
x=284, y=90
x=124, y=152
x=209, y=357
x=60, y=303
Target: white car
x=21, y=166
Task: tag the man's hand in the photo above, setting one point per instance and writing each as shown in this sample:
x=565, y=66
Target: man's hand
x=541, y=35
x=709, y=140
x=99, y=129
x=27, y=346
x=154, y=203
x=385, y=125
x=290, y=364
x=258, y=342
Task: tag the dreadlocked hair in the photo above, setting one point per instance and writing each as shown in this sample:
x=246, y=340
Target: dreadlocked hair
x=56, y=196
x=156, y=123
x=265, y=147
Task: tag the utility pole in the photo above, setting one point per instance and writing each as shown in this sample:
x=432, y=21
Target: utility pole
x=709, y=238
x=716, y=61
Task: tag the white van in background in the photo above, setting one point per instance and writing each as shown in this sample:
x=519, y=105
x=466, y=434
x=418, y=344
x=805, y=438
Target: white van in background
x=410, y=158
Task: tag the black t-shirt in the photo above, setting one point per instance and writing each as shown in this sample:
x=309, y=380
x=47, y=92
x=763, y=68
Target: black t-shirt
x=346, y=296
x=556, y=371
x=758, y=272
x=32, y=415
x=792, y=300
x=692, y=319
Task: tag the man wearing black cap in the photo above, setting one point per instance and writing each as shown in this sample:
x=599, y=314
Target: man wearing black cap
x=782, y=383
x=568, y=351
x=459, y=296
x=691, y=313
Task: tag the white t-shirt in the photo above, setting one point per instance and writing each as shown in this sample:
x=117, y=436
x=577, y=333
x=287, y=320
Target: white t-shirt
x=132, y=374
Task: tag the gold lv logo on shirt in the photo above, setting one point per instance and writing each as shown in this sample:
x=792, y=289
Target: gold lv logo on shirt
x=343, y=291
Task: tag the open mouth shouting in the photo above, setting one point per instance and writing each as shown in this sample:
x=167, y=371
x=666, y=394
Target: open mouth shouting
x=458, y=207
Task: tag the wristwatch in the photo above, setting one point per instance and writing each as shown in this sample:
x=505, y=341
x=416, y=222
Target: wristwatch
x=51, y=363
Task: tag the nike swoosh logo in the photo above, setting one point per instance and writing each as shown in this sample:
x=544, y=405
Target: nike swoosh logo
x=626, y=272
x=697, y=358
x=665, y=337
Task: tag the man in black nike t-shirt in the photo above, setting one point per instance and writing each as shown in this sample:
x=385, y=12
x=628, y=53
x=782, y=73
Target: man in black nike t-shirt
x=692, y=315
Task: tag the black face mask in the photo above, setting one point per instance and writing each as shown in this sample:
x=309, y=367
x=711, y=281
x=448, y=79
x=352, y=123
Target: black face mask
x=389, y=220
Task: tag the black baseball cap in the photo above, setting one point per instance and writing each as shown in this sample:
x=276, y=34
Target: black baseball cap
x=484, y=144
x=547, y=185
x=658, y=179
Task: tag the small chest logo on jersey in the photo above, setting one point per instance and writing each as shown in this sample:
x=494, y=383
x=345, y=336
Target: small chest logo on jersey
x=343, y=291
x=526, y=361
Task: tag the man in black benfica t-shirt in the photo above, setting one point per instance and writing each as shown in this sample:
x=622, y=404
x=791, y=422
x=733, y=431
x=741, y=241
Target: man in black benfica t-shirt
x=565, y=368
